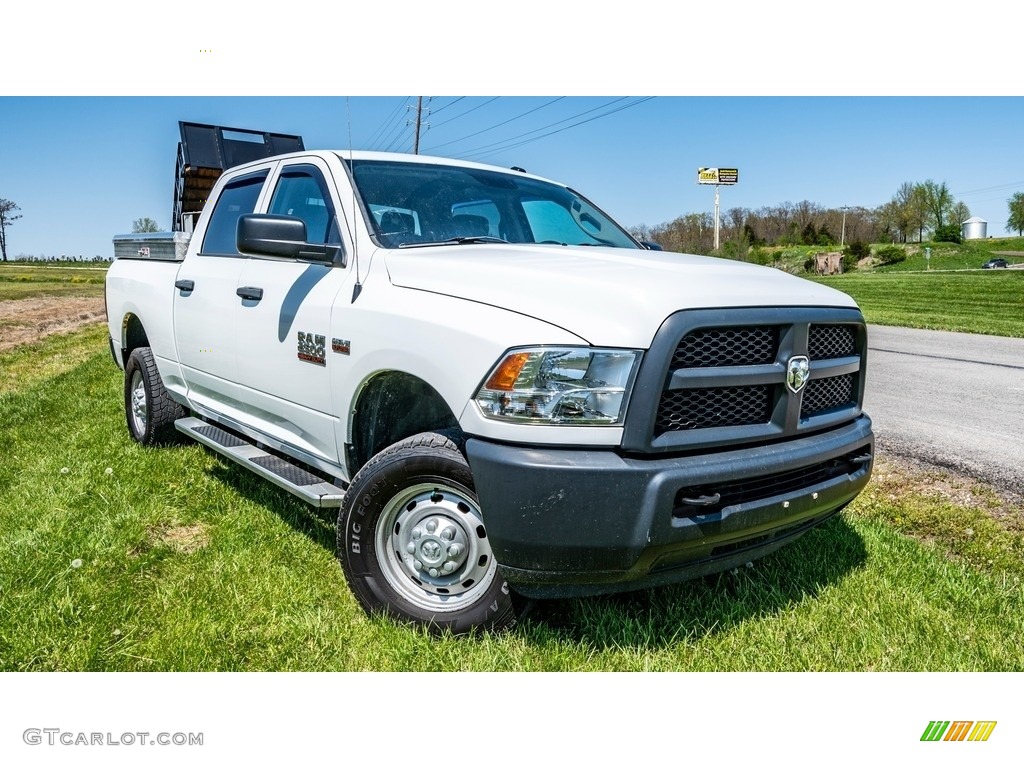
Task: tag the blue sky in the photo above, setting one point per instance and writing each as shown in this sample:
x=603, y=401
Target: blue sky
x=836, y=107
x=83, y=168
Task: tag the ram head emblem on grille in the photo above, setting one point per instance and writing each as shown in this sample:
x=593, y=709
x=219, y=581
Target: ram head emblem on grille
x=798, y=371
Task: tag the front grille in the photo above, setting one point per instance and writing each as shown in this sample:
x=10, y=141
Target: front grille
x=714, y=407
x=713, y=347
x=822, y=394
x=827, y=342
x=717, y=377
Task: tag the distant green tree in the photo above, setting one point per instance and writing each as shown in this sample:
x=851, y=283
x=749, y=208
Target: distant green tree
x=7, y=218
x=948, y=233
x=145, y=224
x=791, y=236
x=735, y=249
x=961, y=213
x=1016, y=206
x=938, y=202
x=751, y=236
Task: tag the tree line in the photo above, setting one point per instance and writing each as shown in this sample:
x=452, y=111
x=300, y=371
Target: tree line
x=916, y=212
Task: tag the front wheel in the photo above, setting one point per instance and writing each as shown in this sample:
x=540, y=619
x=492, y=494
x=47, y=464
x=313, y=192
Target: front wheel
x=412, y=540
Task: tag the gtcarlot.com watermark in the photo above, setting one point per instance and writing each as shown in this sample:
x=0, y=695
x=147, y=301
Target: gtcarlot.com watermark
x=54, y=737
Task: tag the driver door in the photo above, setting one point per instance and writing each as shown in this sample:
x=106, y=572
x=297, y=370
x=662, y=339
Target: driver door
x=285, y=359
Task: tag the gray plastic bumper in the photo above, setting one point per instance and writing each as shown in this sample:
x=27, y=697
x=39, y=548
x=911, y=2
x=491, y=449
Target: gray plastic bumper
x=573, y=522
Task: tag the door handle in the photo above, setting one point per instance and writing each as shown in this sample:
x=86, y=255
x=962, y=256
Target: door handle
x=185, y=285
x=249, y=292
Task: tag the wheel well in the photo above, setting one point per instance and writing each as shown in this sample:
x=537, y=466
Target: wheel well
x=133, y=335
x=391, y=407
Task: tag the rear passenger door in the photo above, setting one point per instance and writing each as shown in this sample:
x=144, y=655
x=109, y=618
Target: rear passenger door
x=285, y=361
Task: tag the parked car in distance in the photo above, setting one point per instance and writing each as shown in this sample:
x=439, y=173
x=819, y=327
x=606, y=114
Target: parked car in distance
x=995, y=264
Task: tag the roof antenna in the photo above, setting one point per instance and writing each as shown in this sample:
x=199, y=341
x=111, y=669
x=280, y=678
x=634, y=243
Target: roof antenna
x=357, y=288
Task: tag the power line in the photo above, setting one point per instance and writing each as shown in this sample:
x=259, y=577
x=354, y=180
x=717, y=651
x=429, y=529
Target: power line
x=396, y=130
x=387, y=121
x=450, y=103
x=545, y=127
x=478, y=154
x=550, y=125
x=463, y=114
x=1011, y=185
x=498, y=125
x=398, y=139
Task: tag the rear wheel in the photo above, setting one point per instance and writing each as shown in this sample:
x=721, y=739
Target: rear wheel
x=149, y=410
x=412, y=540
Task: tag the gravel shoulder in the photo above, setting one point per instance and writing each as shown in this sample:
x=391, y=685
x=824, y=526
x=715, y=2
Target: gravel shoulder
x=950, y=400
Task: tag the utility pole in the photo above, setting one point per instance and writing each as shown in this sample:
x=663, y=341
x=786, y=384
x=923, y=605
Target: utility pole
x=716, y=217
x=842, y=237
x=419, y=122
x=420, y=125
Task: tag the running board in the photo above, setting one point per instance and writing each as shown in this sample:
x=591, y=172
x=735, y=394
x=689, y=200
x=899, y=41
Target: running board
x=307, y=486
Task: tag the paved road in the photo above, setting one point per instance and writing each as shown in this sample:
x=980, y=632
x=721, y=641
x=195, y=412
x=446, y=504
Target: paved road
x=951, y=399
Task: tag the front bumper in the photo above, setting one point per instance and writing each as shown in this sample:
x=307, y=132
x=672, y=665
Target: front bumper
x=578, y=522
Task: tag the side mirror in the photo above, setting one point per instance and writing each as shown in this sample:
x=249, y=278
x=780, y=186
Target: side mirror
x=650, y=246
x=280, y=236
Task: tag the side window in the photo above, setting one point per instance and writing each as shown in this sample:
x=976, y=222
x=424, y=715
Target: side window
x=238, y=198
x=302, y=192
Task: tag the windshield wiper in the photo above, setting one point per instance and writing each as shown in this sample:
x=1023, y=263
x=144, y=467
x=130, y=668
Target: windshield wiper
x=456, y=241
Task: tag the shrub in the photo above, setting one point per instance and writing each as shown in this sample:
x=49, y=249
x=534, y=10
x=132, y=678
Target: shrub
x=732, y=249
x=858, y=249
x=890, y=254
x=949, y=233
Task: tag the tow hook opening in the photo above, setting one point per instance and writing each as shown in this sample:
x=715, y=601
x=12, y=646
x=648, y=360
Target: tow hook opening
x=700, y=501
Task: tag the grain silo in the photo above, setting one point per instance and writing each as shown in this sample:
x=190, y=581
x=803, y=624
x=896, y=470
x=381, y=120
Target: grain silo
x=974, y=229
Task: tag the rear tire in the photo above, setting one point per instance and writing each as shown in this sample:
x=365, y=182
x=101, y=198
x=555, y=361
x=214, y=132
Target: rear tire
x=412, y=542
x=149, y=410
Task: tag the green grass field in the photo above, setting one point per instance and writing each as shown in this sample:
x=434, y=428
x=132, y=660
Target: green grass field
x=970, y=254
x=23, y=281
x=984, y=301
x=123, y=558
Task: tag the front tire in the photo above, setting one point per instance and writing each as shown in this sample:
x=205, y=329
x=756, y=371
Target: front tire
x=412, y=541
x=148, y=408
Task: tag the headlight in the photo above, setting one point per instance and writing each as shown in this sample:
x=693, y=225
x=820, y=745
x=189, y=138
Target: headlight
x=572, y=386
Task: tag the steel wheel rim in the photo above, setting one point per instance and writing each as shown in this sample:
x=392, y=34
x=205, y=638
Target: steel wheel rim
x=138, y=410
x=433, y=548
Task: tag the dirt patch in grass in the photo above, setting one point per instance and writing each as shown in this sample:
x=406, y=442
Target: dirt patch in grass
x=896, y=476
x=27, y=320
x=966, y=520
x=180, y=538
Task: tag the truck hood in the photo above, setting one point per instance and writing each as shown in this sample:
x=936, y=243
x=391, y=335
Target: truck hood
x=608, y=296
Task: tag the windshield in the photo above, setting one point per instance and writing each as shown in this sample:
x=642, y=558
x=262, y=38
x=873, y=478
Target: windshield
x=418, y=203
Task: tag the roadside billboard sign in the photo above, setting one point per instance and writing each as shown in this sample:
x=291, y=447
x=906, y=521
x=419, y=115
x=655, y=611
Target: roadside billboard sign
x=718, y=175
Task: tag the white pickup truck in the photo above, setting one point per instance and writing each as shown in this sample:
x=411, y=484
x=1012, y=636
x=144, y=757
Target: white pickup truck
x=496, y=385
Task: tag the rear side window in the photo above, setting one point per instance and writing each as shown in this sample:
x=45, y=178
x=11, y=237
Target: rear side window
x=238, y=198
